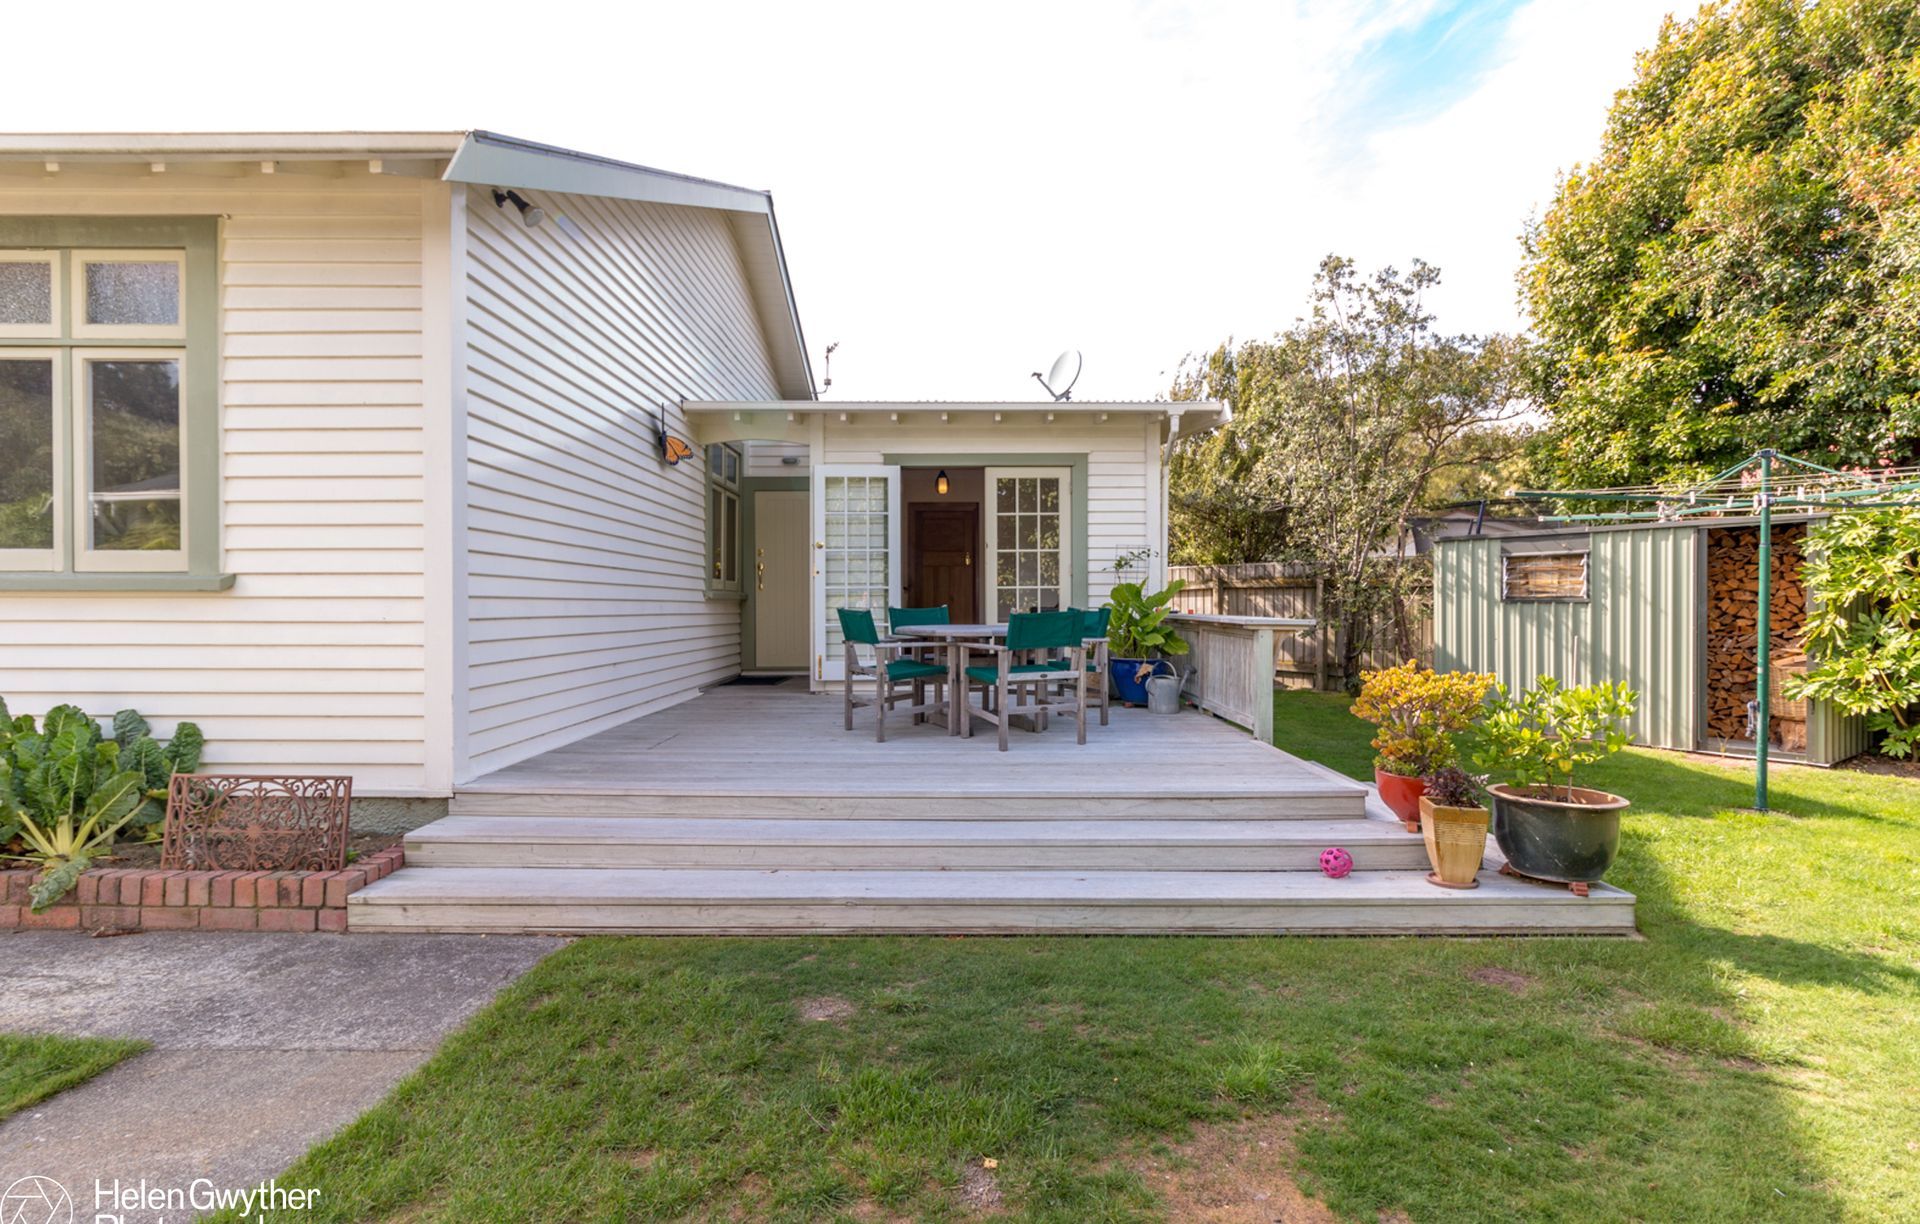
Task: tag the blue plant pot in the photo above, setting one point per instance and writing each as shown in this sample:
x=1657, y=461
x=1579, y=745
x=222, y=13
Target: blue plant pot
x=1130, y=683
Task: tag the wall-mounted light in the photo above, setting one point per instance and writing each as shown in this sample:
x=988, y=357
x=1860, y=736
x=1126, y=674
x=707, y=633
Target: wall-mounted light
x=940, y=485
x=530, y=214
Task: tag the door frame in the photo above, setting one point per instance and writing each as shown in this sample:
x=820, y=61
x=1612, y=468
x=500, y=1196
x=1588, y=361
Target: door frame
x=1074, y=461
x=1070, y=561
x=827, y=670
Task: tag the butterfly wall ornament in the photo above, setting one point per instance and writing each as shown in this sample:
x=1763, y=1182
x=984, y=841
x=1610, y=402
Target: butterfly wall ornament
x=672, y=449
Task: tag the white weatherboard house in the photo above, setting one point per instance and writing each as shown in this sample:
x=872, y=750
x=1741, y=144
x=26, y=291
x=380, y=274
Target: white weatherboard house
x=355, y=449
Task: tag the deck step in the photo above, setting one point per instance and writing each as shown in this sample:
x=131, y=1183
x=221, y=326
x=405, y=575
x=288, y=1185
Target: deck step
x=1160, y=845
x=696, y=901
x=1306, y=798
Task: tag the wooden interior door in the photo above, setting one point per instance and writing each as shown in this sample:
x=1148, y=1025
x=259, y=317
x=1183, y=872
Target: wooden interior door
x=943, y=553
x=779, y=575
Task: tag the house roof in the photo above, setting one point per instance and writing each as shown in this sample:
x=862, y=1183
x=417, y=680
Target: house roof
x=485, y=159
x=782, y=420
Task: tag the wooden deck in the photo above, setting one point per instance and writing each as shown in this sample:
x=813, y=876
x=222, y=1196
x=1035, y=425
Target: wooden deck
x=750, y=810
x=762, y=751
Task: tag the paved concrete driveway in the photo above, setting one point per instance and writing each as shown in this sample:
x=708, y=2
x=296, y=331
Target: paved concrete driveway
x=263, y=1044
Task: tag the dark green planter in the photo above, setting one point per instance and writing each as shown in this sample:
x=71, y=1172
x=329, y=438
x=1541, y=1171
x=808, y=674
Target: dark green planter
x=1548, y=839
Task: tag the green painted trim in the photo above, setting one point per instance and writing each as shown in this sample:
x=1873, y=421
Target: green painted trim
x=750, y=609
x=1076, y=461
x=127, y=582
x=716, y=589
x=199, y=238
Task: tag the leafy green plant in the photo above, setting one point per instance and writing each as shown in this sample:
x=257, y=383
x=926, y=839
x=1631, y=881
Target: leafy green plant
x=1539, y=738
x=1863, y=630
x=1137, y=629
x=67, y=792
x=1419, y=711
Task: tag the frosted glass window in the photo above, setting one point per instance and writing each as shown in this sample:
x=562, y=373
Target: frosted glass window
x=26, y=293
x=145, y=294
x=133, y=419
x=26, y=475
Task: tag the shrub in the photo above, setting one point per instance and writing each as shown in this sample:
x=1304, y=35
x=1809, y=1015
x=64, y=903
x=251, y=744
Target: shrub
x=1539, y=738
x=1419, y=711
x=1863, y=630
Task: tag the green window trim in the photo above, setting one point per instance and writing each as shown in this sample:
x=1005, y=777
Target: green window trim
x=198, y=239
x=726, y=468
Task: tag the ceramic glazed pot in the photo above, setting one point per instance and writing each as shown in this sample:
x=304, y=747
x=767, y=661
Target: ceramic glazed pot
x=1552, y=839
x=1401, y=794
x=1456, y=842
x=1128, y=683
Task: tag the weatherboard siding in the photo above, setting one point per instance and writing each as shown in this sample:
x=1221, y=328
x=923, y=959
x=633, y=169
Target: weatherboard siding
x=314, y=660
x=586, y=599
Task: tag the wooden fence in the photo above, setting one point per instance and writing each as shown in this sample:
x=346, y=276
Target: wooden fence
x=1271, y=589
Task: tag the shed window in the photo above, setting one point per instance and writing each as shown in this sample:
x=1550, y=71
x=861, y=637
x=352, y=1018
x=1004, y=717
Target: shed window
x=1544, y=576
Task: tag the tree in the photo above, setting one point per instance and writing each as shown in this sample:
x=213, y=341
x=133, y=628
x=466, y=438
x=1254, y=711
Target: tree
x=1342, y=423
x=1739, y=266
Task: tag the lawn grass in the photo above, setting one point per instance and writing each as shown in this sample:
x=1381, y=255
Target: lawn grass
x=1755, y=1057
x=33, y=1067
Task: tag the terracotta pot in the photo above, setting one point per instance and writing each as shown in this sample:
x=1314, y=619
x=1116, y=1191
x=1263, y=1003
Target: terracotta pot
x=1402, y=795
x=1456, y=842
x=1553, y=839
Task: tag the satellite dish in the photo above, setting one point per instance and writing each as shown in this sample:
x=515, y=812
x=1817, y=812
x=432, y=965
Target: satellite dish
x=1060, y=379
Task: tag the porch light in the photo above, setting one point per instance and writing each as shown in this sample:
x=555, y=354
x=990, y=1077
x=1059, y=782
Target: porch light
x=530, y=214
x=940, y=483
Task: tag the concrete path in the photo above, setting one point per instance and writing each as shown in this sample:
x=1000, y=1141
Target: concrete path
x=263, y=1045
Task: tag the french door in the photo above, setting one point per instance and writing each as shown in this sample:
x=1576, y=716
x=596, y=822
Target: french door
x=856, y=553
x=1029, y=540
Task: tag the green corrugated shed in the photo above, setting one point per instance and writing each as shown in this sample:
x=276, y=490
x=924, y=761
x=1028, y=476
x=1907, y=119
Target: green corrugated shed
x=1642, y=622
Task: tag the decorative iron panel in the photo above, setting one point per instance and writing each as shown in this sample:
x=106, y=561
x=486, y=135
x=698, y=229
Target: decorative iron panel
x=257, y=822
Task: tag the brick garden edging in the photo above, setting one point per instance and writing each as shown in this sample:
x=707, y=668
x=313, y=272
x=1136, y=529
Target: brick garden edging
x=154, y=899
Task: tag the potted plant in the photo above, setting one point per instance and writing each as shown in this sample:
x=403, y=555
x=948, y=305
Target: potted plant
x=1454, y=825
x=1418, y=711
x=1548, y=828
x=1138, y=639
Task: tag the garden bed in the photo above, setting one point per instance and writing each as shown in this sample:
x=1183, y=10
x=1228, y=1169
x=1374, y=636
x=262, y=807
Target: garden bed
x=120, y=898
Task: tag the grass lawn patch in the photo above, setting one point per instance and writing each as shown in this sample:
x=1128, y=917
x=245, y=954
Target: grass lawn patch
x=1755, y=1056
x=33, y=1068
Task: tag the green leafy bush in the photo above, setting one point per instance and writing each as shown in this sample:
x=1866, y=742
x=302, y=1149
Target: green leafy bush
x=67, y=791
x=1137, y=629
x=1863, y=631
x=1539, y=738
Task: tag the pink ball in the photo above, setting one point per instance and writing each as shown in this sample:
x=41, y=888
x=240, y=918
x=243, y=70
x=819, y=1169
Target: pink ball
x=1335, y=862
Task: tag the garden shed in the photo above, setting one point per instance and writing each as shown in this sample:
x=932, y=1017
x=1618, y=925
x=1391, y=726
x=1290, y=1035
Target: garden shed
x=1668, y=608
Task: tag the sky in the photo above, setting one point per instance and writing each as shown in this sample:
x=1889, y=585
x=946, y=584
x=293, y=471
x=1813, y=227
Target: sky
x=963, y=191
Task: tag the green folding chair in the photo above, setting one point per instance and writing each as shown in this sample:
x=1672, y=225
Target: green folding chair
x=925, y=651
x=1094, y=625
x=1030, y=688
x=895, y=679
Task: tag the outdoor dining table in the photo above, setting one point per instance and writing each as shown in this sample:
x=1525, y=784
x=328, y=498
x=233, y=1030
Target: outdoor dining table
x=955, y=638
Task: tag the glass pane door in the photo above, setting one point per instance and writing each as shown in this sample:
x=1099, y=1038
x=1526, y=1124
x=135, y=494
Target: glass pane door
x=857, y=538
x=1030, y=567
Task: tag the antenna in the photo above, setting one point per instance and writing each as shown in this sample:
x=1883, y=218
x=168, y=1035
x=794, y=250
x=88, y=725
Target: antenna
x=1060, y=379
x=828, y=384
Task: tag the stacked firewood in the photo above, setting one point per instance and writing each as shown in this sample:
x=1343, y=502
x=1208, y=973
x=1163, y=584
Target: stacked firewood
x=1733, y=623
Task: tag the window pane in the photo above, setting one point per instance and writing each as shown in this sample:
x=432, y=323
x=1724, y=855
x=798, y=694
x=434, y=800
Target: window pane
x=26, y=472
x=26, y=293
x=134, y=419
x=133, y=293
